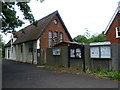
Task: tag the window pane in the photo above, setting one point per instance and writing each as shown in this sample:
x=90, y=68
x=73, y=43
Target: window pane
x=118, y=31
x=61, y=37
x=55, y=21
x=55, y=37
x=50, y=39
x=50, y=34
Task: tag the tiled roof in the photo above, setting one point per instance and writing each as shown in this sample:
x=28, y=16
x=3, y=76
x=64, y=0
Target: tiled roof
x=31, y=32
x=67, y=43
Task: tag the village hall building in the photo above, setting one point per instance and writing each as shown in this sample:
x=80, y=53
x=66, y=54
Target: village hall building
x=29, y=44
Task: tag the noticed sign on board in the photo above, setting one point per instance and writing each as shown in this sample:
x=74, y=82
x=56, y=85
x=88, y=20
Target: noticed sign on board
x=94, y=52
x=75, y=53
x=105, y=52
x=56, y=51
x=100, y=52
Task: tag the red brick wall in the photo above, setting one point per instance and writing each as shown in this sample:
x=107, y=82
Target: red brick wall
x=111, y=34
x=54, y=28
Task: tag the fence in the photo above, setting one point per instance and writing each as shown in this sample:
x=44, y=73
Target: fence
x=104, y=55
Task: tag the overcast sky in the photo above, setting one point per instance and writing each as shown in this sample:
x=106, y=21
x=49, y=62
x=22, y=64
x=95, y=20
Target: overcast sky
x=76, y=14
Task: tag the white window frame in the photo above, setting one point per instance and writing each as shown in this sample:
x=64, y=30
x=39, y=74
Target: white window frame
x=117, y=31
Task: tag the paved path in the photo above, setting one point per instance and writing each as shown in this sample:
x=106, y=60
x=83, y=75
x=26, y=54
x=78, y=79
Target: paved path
x=20, y=75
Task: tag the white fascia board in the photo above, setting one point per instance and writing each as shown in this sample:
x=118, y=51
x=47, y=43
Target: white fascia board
x=100, y=43
x=113, y=17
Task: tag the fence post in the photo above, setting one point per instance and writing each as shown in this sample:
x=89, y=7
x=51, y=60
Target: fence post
x=87, y=57
x=116, y=56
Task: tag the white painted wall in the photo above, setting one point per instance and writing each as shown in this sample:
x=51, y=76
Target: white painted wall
x=12, y=55
x=38, y=43
x=25, y=55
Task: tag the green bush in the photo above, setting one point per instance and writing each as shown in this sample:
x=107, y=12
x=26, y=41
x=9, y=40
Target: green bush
x=116, y=76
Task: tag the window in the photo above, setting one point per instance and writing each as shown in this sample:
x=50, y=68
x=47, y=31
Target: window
x=61, y=37
x=49, y=39
x=30, y=46
x=55, y=38
x=55, y=21
x=117, y=32
x=30, y=49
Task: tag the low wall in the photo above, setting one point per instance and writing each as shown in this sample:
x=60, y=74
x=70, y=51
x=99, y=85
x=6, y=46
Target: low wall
x=61, y=59
x=105, y=64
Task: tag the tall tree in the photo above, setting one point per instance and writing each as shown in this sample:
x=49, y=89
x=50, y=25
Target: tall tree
x=80, y=39
x=93, y=38
x=98, y=38
x=9, y=19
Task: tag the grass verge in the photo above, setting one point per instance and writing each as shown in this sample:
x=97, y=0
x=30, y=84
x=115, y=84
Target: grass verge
x=114, y=75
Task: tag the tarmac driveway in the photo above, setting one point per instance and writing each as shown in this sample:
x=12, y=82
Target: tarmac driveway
x=20, y=75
